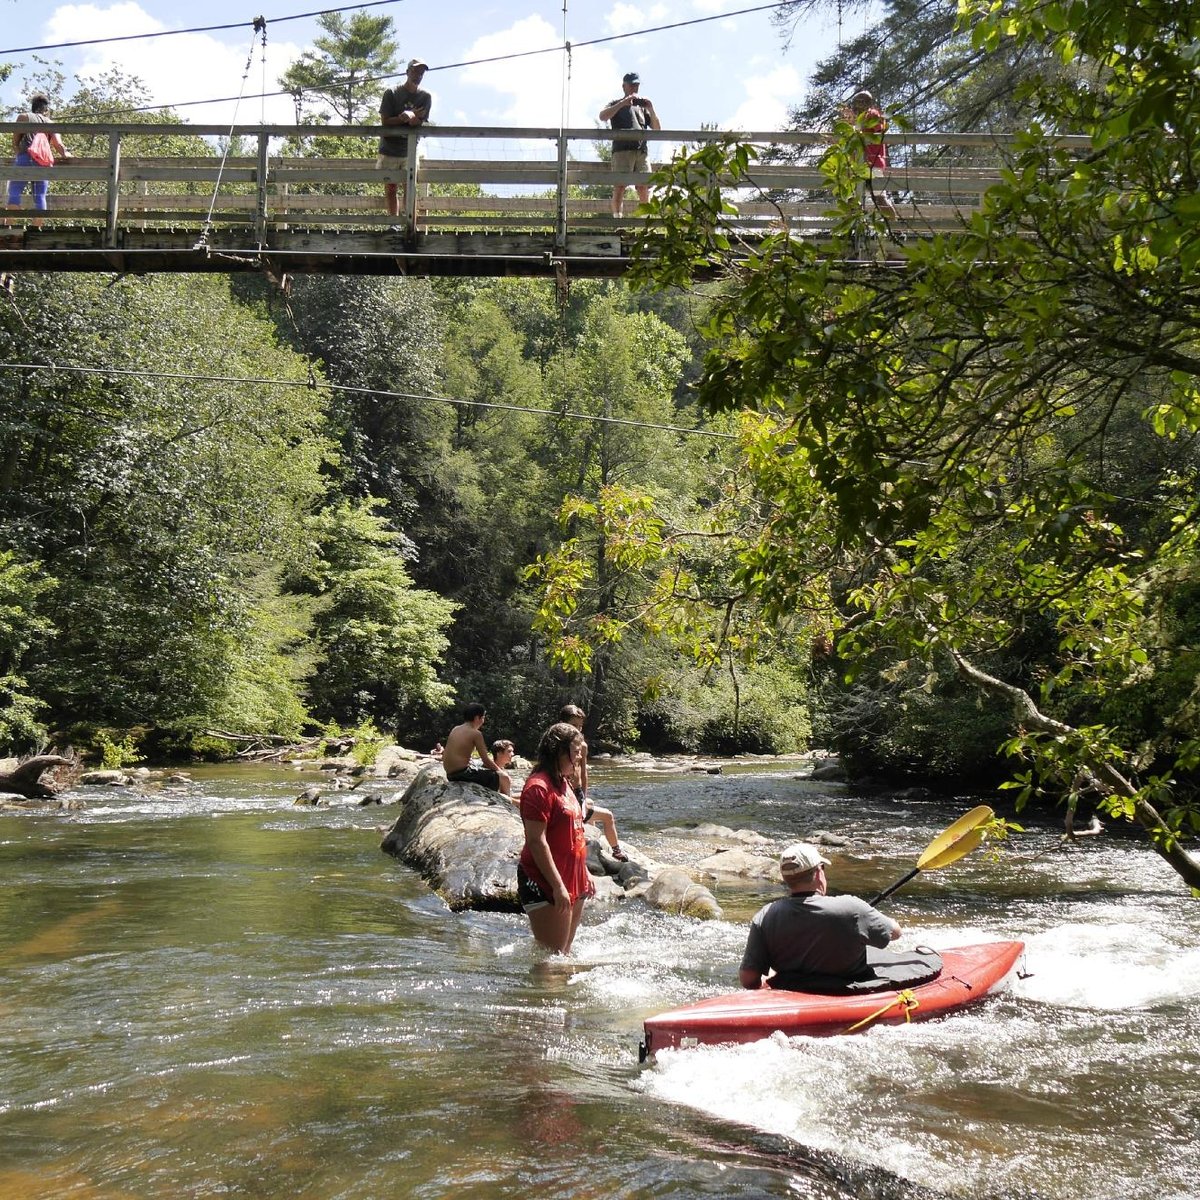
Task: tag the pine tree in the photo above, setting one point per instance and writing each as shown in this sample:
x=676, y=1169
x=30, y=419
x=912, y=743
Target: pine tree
x=348, y=68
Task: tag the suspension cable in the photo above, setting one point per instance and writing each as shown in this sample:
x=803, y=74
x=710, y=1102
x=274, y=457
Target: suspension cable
x=260, y=26
x=313, y=382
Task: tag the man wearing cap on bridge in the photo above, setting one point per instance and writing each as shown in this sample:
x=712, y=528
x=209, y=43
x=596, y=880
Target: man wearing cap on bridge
x=813, y=942
x=631, y=111
x=407, y=105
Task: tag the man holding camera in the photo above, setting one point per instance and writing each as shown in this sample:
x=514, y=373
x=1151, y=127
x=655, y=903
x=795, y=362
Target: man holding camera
x=631, y=111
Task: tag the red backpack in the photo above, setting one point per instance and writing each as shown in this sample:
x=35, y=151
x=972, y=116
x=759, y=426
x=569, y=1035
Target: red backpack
x=39, y=150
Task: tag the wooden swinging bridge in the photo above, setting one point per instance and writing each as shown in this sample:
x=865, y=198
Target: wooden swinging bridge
x=536, y=201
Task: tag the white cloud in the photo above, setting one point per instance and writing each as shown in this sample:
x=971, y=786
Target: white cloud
x=182, y=67
x=624, y=18
x=529, y=91
x=77, y=22
x=767, y=99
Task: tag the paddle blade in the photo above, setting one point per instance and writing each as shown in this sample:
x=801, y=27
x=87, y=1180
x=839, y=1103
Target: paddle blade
x=958, y=839
x=963, y=846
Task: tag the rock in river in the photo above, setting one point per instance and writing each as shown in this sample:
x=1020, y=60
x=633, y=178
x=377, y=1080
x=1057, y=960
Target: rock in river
x=465, y=841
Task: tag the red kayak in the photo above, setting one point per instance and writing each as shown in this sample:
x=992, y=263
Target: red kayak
x=969, y=973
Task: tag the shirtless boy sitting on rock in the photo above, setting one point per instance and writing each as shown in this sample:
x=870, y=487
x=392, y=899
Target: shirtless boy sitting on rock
x=465, y=740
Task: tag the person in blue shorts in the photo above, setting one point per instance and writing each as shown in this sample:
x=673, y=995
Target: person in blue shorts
x=38, y=115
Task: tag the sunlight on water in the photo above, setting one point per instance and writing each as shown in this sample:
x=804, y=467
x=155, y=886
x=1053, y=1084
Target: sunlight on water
x=974, y=1104
x=981, y=1102
x=207, y=990
x=1115, y=965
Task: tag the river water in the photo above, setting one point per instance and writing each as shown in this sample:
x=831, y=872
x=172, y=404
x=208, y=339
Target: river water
x=206, y=992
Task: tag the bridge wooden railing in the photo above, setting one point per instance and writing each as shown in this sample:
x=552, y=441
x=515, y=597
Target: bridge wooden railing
x=526, y=177
x=549, y=186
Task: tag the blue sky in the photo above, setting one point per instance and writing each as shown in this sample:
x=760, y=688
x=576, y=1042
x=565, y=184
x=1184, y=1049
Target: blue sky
x=732, y=72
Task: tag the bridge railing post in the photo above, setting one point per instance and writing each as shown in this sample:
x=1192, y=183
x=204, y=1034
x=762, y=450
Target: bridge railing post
x=410, y=182
x=560, y=216
x=260, y=204
x=113, y=189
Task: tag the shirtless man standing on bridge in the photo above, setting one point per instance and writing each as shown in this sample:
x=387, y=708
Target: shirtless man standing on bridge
x=462, y=742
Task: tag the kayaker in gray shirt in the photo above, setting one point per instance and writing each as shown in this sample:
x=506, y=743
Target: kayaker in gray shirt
x=813, y=942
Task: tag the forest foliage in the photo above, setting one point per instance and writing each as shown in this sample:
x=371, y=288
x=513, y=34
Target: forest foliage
x=262, y=522
x=871, y=509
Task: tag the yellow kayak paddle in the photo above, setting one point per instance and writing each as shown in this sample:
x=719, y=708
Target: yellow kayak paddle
x=949, y=846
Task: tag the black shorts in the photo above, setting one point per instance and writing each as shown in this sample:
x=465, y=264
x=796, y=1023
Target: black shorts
x=484, y=776
x=529, y=893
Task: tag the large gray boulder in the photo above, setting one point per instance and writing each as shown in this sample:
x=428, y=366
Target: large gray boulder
x=462, y=838
x=674, y=891
x=106, y=778
x=397, y=762
x=465, y=841
x=738, y=864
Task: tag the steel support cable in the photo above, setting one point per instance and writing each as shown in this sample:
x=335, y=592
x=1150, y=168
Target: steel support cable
x=312, y=382
x=260, y=26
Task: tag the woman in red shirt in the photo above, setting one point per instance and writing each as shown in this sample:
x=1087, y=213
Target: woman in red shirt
x=865, y=114
x=552, y=876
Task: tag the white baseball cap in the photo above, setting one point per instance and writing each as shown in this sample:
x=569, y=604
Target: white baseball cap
x=801, y=857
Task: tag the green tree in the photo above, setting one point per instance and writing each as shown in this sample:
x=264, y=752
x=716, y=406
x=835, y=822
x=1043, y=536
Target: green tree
x=928, y=439
x=153, y=499
x=619, y=374
x=377, y=336
x=380, y=639
x=345, y=71
x=24, y=589
x=502, y=509
x=607, y=369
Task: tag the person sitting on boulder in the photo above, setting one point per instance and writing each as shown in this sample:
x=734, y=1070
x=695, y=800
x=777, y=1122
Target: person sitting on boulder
x=462, y=743
x=503, y=751
x=572, y=714
x=812, y=942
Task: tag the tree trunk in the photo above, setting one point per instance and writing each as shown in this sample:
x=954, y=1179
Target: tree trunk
x=27, y=781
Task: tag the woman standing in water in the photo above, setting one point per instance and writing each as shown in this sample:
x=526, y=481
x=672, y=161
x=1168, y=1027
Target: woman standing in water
x=552, y=876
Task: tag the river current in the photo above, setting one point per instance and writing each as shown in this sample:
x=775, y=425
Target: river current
x=207, y=992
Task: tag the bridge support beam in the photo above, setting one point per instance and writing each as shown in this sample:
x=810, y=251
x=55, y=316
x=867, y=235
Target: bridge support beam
x=112, y=215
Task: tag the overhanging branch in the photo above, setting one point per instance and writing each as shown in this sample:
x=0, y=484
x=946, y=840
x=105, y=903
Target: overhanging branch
x=1163, y=838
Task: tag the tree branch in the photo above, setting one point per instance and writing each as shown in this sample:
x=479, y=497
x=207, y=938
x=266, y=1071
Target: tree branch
x=1166, y=843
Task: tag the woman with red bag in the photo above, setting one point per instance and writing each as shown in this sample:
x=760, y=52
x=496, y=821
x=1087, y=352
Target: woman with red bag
x=35, y=149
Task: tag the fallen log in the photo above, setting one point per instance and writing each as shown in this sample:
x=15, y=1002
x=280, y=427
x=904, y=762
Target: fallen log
x=26, y=778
